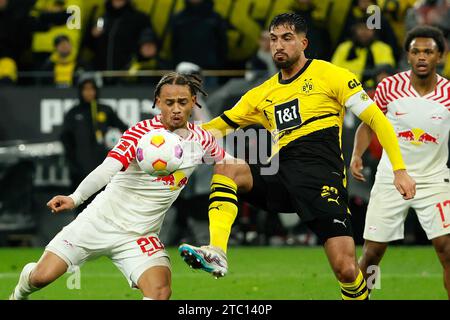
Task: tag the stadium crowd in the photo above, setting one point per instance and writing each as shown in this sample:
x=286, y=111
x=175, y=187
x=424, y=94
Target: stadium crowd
x=35, y=35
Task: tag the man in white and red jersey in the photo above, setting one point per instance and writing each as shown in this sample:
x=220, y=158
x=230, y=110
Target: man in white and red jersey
x=417, y=103
x=123, y=221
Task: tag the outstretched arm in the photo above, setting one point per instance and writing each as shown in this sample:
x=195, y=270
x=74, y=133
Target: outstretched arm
x=243, y=114
x=96, y=180
x=219, y=126
x=376, y=120
x=348, y=91
x=363, y=136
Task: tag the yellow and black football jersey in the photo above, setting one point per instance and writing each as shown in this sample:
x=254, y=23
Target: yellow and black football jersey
x=311, y=100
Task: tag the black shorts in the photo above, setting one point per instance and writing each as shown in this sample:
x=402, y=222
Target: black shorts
x=309, y=182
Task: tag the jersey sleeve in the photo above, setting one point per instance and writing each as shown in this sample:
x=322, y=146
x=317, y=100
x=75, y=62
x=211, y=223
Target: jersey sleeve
x=343, y=84
x=125, y=149
x=212, y=151
x=380, y=96
x=96, y=180
x=244, y=112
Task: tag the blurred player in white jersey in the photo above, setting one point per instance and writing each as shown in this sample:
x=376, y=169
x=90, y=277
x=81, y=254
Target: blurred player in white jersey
x=123, y=222
x=417, y=103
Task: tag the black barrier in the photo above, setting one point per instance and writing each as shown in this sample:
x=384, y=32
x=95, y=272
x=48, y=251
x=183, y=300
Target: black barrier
x=36, y=114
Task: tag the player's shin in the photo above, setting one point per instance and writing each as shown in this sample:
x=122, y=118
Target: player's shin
x=356, y=290
x=222, y=210
x=24, y=287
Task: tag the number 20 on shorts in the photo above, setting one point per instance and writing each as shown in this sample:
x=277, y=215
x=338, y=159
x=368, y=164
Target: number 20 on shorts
x=150, y=245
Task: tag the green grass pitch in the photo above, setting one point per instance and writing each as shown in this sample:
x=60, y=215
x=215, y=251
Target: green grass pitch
x=287, y=273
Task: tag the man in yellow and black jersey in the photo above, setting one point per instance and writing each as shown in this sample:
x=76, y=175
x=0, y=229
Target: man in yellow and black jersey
x=312, y=99
x=303, y=107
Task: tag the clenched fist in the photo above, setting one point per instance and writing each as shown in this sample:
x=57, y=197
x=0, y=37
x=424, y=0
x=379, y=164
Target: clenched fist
x=61, y=203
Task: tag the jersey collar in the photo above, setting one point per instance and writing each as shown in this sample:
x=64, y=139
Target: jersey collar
x=287, y=81
x=157, y=119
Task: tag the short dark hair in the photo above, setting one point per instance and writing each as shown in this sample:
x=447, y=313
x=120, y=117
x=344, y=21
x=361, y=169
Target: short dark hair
x=426, y=32
x=193, y=81
x=291, y=19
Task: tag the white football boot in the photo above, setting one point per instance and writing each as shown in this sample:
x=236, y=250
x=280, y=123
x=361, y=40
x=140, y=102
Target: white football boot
x=208, y=258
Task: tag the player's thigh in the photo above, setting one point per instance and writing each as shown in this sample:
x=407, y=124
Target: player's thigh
x=155, y=282
x=267, y=192
x=432, y=206
x=70, y=243
x=341, y=247
x=386, y=214
x=329, y=226
x=134, y=255
x=237, y=170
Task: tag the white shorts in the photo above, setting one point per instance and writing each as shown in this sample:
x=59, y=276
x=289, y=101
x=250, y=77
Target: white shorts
x=387, y=211
x=89, y=237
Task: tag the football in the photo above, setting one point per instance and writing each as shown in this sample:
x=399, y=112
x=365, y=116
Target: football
x=159, y=152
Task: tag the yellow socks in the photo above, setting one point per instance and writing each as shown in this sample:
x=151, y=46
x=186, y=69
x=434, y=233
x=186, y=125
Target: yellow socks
x=356, y=290
x=222, y=210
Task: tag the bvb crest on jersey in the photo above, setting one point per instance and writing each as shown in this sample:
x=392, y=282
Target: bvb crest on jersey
x=364, y=96
x=307, y=86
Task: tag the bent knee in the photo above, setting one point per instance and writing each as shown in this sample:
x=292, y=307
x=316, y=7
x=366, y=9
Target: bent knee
x=373, y=255
x=240, y=173
x=225, y=169
x=443, y=250
x=164, y=293
x=346, y=273
x=159, y=292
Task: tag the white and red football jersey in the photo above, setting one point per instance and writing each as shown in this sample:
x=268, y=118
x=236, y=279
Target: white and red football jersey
x=136, y=201
x=422, y=125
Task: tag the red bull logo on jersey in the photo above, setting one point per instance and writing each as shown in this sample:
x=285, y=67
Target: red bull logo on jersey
x=176, y=180
x=417, y=136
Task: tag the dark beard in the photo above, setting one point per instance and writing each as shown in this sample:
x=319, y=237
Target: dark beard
x=285, y=64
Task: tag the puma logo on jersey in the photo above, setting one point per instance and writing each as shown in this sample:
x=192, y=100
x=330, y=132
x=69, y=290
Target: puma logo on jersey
x=339, y=221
